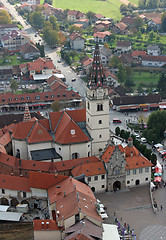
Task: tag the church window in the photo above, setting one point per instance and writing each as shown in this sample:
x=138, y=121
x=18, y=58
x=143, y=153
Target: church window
x=89, y=154
x=146, y=179
x=102, y=176
x=3, y=191
x=140, y=170
x=146, y=169
x=24, y=195
x=96, y=178
x=103, y=186
x=128, y=172
x=99, y=107
x=128, y=182
x=93, y=94
x=88, y=106
x=100, y=136
x=134, y=171
x=100, y=121
x=89, y=179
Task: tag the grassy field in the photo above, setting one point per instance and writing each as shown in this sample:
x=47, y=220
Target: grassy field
x=108, y=8
x=146, y=78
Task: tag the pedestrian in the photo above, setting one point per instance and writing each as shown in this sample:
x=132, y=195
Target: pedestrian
x=161, y=207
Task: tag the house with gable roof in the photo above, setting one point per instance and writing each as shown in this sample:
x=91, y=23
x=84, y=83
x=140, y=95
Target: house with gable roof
x=76, y=41
x=122, y=47
x=7, y=29
x=73, y=15
x=106, y=54
x=29, y=51
x=101, y=37
x=153, y=50
x=126, y=167
x=120, y=27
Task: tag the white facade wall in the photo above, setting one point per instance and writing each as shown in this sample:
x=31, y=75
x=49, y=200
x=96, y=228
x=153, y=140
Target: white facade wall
x=13, y=193
x=99, y=185
x=78, y=43
x=71, y=18
x=47, y=234
x=144, y=177
x=38, y=146
x=66, y=151
x=69, y=222
x=152, y=63
x=22, y=146
x=36, y=192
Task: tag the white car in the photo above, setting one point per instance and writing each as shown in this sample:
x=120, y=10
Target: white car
x=143, y=140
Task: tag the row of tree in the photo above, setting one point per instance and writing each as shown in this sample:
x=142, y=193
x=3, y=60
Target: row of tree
x=141, y=147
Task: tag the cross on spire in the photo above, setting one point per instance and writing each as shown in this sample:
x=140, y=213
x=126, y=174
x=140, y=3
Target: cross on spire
x=97, y=76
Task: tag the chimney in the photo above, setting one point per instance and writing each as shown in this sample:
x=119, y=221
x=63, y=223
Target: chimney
x=47, y=225
x=42, y=225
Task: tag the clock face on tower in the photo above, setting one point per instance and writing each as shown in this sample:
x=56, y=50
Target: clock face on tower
x=100, y=92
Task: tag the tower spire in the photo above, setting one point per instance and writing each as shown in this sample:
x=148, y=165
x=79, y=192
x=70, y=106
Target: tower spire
x=97, y=76
x=27, y=115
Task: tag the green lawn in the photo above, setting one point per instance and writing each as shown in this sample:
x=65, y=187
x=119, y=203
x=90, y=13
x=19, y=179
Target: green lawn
x=12, y=60
x=109, y=8
x=146, y=78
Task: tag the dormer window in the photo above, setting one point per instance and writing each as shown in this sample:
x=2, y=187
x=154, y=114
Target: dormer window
x=16, y=98
x=37, y=97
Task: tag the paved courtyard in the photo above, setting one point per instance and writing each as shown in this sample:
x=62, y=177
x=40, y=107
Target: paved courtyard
x=133, y=206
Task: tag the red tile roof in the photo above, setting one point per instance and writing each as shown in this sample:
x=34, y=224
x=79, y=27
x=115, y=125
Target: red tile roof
x=89, y=169
x=22, y=129
x=131, y=151
x=45, y=224
x=44, y=180
x=137, y=162
x=121, y=25
x=101, y=34
x=138, y=53
x=38, y=134
x=75, y=35
x=69, y=132
x=123, y=44
x=5, y=139
x=154, y=58
x=87, y=62
x=109, y=151
x=14, y=183
x=78, y=115
x=40, y=64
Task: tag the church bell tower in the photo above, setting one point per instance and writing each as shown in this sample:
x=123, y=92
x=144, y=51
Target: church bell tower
x=97, y=106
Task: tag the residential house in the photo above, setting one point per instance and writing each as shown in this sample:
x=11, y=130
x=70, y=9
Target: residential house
x=50, y=10
x=6, y=73
x=126, y=59
x=7, y=29
x=76, y=41
x=101, y=37
x=112, y=80
x=105, y=55
x=40, y=66
x=136, y=55
x=46, y=229
x=122, y=47
x=86, y=64
x=126, y=167
x=29, y=51
x=31, y=2
x=14, y=40
x=155, y=23
x=84, y=22
x=120, y=28
x=153, y=50
x=25, y=6
x=95, y=175
x=106, y=24
x=73, y=15
x=96, y=18
x=153, y=61
x=98, y=28
x=129, y=21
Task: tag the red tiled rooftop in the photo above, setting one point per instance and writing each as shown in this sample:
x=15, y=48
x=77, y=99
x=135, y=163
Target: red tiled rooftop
x=45, y=224
x=109, y=151
x=137, y=162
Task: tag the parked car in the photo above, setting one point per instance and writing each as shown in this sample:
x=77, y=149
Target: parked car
x=73, y=79
x=143, y=140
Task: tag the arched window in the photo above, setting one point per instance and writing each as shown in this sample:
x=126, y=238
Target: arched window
x=75, y=155
x=100, y=121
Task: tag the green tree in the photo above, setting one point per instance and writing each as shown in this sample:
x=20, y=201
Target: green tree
x=114, y=61
x=162, y=85
x=117, y=131
x=138, y=22
x=47, y=24
x=54, y=23
x=13, y=85
x=121, y=73
x=163, y=22
x=51, y=37
x=37, y=19
x=90, y=15
x=55, y=106
x=151, y=36
x=75, y=29
x=5, y=17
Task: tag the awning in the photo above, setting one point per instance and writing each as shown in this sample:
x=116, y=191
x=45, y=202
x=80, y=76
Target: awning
x=157, y=179
x=154, y=105
x=3, y=208
x=110, y=230
x=10, y=216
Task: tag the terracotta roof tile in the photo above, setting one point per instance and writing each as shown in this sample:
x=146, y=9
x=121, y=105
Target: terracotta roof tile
x=38, y=134
x=89, y=169
x=44, y=180
x=138, y=53
x=5, y=139
x=22, y=130
x=137, y=162
x=123, y=44
x=121, y=25
x=78, y=115
x=45, y=224
x=14, y=183
x=40, y=64
x=131, y=151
